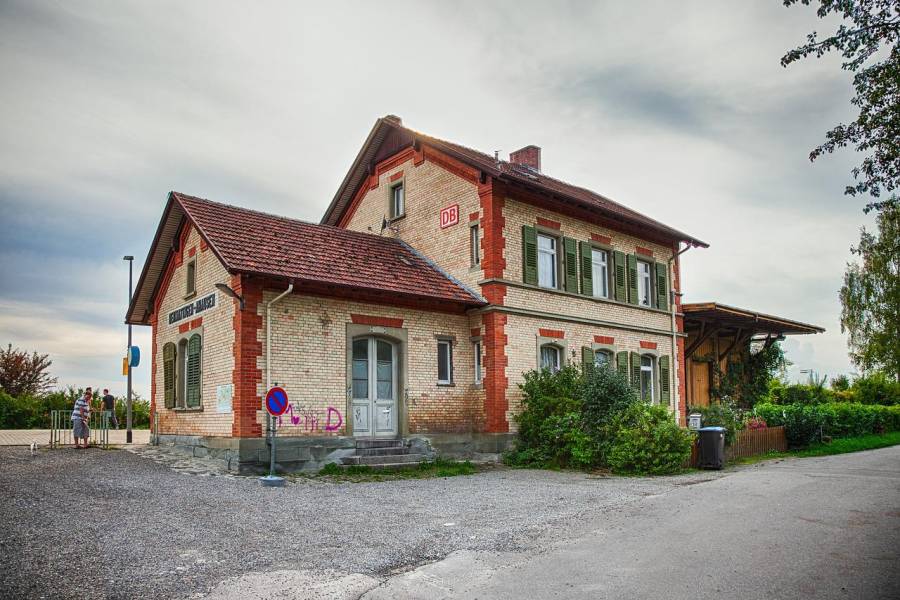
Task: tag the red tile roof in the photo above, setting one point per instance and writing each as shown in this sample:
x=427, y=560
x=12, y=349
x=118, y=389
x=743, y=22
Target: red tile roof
x=517, y=174
x=248, y=241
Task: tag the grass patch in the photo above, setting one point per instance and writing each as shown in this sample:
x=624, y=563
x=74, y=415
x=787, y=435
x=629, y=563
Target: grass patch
x=838, y=446
x=438, y=467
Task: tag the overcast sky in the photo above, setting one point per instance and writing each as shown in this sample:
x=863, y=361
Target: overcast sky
x=679, y=110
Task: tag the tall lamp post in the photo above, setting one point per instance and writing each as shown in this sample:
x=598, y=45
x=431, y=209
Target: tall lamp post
x=130, y=260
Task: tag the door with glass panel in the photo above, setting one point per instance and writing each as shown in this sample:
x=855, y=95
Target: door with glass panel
x=373, y=388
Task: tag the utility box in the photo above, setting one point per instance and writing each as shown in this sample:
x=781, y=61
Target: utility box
x=695, y=421
x=712, y=448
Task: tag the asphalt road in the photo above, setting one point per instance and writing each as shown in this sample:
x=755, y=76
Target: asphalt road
x=811, y=528
x=112, y=524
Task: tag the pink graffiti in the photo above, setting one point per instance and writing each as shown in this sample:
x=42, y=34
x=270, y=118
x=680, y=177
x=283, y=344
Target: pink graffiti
x=308, y=418
x=333, y=427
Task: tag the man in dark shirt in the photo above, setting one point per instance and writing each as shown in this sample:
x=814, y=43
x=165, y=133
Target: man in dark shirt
x=109, y=403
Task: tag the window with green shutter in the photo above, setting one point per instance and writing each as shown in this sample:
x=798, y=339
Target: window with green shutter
x=664, y=384
x=169, y=375
x=529, y=255
x=636, y=371
x=662, y=287
x=632, y=279
x=621, y=276
x=571, y=250
x=587, y=281
x=587, y=358
x=192, y=399
x=622, y=364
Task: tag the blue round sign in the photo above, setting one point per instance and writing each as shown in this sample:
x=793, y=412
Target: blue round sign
x=276, y=401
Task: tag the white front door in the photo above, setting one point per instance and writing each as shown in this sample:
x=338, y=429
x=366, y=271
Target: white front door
x=373, y=388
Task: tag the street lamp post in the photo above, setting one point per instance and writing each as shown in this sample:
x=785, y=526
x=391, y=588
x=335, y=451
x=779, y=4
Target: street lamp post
x=130, y=260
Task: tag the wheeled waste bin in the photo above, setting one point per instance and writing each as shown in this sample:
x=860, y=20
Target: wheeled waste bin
x=712, y=447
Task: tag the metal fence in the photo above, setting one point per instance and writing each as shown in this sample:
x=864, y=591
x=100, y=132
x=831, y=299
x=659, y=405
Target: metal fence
x=61, y=428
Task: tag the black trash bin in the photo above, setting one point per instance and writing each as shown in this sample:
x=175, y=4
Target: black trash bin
x=712, y=448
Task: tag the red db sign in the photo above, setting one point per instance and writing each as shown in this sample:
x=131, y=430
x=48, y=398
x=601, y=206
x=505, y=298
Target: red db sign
x=449, y=216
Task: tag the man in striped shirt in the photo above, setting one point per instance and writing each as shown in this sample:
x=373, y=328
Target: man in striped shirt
x=80, y=417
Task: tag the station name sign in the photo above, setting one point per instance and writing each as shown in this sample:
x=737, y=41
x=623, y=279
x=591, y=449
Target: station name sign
x=193, y=308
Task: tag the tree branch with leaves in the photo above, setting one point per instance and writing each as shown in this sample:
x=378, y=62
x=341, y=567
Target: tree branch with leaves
x=24, y=374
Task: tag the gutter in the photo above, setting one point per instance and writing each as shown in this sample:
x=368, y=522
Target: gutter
x=674, y=370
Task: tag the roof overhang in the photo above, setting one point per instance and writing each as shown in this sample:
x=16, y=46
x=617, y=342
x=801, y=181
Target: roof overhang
x=728, y=319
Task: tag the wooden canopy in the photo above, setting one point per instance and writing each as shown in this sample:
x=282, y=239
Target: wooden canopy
x=703, y=320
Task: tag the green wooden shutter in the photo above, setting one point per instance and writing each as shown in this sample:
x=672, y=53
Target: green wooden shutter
x=571, y=249
x=632, y=279
x=529, y=255
x=622, y=364
x=587, y=358
x=636, y=371
x=621, y=276
x=664, y=387
x=169, y=375
x=662, y=287
x=587, y=269
x=193, y=372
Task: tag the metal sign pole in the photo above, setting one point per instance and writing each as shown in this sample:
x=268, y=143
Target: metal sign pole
x=276, y=404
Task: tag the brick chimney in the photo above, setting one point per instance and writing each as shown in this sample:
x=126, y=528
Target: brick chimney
x=529, y=156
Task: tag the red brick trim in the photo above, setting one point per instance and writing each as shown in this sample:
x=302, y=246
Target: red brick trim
x=493, y=243
x=184, y=328
x=195, y=323
x=419, y=157
x=648, y=345
x=391, y=162
x=601, y=239
x=397, y=175
x=552, y=333
x=495, y=380
x=192, y=251
x=451, y=164
x=604, y=339
x=548, y=223
x=153, y=359
x=680, y=371
x=475, y=331
x=247, y=350
x=474, y=216
x=203, y=245
x=377, y=321
x=644, y=251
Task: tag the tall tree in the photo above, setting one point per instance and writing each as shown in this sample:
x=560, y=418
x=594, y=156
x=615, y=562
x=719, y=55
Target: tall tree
x=870, y=49
x=871, y=297
x=23, y=374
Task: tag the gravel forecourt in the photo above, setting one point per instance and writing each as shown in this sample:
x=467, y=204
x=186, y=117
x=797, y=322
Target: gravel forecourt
x=116, y=524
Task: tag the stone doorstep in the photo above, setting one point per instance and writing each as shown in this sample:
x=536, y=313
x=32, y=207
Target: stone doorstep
x=373, y=461
x=382, y=451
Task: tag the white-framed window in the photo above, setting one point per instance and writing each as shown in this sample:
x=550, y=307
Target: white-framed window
x=398, y=200
x=476, y=348
x=445, y=361
x=644, y=285
x=602, y=358
x=600, y=272
x=647, y=364
x=551, y=355
x=191, y=278
x=547, y=261
x=474, y=250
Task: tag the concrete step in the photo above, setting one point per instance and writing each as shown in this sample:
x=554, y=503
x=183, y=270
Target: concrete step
x=407, y=459
x=385, y=466
x=376, y=443
x=382, y=451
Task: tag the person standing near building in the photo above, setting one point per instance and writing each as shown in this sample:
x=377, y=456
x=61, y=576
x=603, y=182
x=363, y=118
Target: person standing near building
x=80, y=418
x=109, y=403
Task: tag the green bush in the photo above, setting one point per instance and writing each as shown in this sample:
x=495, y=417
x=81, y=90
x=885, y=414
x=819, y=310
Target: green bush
x=721, y=414
x=805, y=424
x=646, y=440
x=876, y=389
x=33, y=412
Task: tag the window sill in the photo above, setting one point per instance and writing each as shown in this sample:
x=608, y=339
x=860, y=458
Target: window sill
x=446, y=384
x=191, y=295
x=529, y=286
x=393, y=220
x=187, y=410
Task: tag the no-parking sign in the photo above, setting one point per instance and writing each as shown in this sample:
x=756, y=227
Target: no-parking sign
x=276, y=401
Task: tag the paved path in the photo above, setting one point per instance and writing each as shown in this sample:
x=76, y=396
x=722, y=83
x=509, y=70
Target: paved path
x=812, y=528
x=24, y=437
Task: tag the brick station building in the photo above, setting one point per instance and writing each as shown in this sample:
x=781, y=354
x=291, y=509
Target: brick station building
x=436, y=278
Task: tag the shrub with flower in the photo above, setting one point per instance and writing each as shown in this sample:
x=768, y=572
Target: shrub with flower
x=756, y=423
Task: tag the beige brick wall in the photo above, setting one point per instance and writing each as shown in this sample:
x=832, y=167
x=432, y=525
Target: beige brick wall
x=521, y=350
x=428, y=189
x=217, y=355
x=309, y=362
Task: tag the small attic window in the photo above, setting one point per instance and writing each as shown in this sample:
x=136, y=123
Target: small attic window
x=191, y=278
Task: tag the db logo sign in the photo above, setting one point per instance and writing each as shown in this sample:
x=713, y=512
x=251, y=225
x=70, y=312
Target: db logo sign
x=449, y=216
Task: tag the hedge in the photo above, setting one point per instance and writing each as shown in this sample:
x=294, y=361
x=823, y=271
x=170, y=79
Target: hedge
x=33, y=412
x=806, y=423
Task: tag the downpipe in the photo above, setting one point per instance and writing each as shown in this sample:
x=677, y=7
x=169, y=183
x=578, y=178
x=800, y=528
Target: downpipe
x=270, y=421
x=673, y=294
